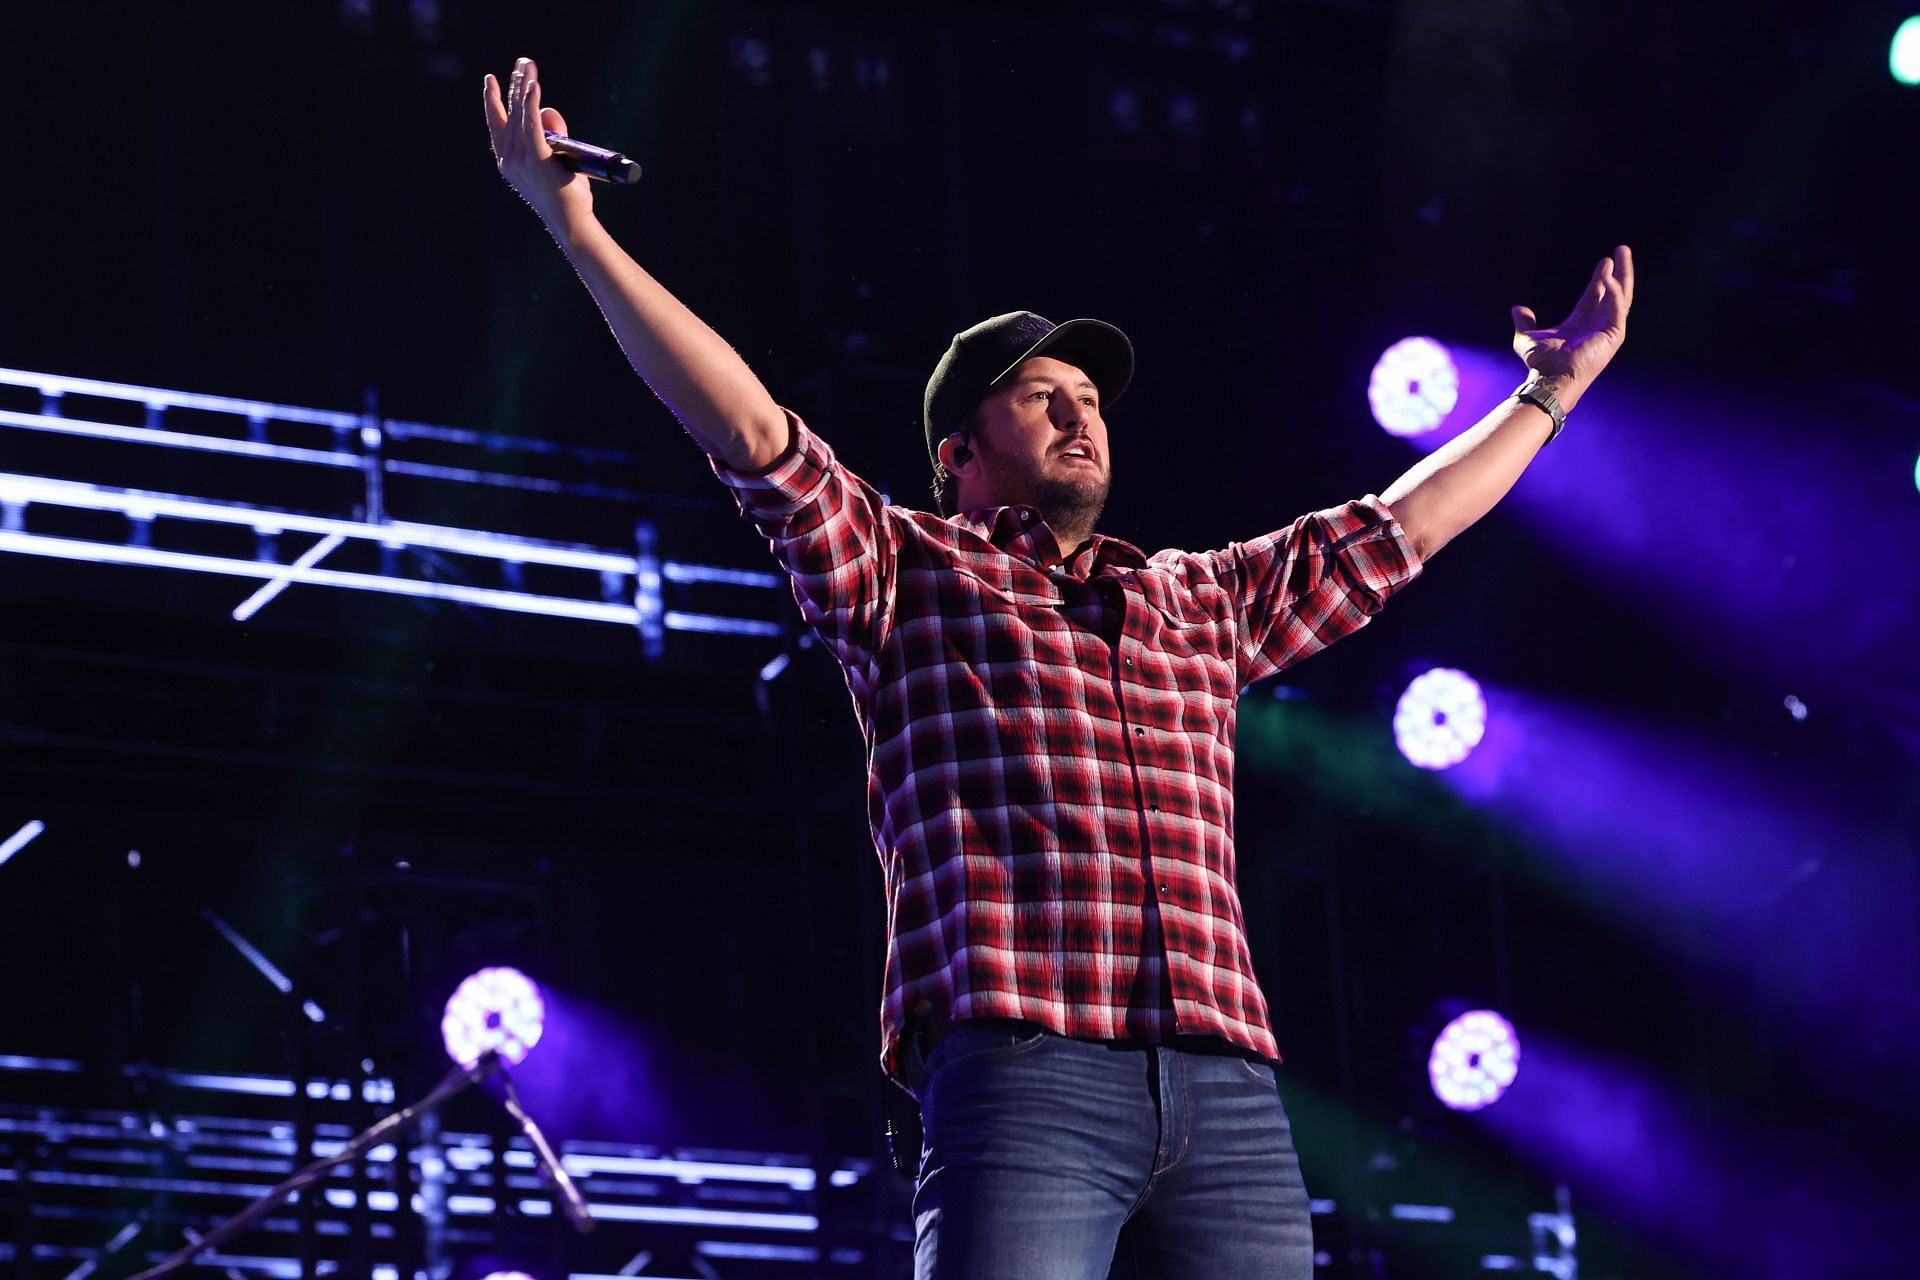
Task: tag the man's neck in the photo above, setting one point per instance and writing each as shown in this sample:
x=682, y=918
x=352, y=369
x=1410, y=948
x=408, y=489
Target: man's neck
x=1071, y=541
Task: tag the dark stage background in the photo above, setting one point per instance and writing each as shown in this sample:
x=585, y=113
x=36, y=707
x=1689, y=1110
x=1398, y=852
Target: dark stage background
x=1698, y=907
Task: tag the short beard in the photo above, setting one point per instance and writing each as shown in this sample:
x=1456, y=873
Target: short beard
x=1071, y=508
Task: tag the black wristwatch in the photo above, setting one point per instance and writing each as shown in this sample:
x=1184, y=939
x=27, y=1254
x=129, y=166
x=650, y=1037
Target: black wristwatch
x=1534, y=391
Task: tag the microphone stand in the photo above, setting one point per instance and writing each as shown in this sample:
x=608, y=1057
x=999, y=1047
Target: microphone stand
x=457, y=1080
x=570, y=1198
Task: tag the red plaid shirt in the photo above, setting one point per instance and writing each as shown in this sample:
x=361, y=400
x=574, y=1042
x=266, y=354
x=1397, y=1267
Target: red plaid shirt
x=1050, y=745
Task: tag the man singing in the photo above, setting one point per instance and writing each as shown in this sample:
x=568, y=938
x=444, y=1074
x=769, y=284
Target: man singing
x=1048, y=714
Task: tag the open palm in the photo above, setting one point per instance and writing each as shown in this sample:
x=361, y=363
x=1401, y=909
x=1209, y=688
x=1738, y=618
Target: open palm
x=1580, y=346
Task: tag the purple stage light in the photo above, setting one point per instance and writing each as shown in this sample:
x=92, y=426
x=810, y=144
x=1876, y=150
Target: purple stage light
x=1474, y=1059
x=507, y=1275
x=1414, y=386
x=1440, y=718
x=497, y=1009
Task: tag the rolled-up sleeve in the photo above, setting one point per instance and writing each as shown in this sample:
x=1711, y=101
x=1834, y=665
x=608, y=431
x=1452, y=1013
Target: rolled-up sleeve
x=831, y=531
x=1298, y=589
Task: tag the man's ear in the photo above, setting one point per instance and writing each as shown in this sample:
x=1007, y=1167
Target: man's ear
x=956, y=455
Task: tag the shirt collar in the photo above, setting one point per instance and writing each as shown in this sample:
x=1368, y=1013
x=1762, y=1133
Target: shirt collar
x=1021, y=531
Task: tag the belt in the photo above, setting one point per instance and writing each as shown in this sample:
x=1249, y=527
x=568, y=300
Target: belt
x=936, y=1027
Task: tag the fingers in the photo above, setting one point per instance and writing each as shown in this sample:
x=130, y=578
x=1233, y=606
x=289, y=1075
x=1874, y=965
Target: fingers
x=1589, y=296
x=518, y=125
x=1524, y=324
x=516, y=122
x=1609, y=306
x=511, y=132
x=494, y=110
x=1599, y=276
x=534, y=140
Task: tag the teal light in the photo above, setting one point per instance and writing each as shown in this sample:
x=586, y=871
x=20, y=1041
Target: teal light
x=1916, y=473
x=1904, y=58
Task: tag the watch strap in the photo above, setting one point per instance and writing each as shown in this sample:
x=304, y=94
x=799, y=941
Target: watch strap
x=1535, y=392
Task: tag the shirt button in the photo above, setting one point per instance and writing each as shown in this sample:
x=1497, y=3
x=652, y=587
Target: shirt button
x=1128, y=661
x=1026, y=517
x=1154, y=807
x=1139, y=732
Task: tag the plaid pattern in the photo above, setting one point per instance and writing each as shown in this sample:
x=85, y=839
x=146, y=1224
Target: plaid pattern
x=1050, y=747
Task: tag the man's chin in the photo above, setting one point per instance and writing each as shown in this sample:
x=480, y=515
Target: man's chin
x=1075, y=503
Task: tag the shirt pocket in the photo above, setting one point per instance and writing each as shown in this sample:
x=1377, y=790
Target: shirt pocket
x=1191, y=635
x=1006, y=584
x=977, y=645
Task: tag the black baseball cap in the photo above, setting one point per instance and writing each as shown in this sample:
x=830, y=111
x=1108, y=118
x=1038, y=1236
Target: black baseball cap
x=983, y=355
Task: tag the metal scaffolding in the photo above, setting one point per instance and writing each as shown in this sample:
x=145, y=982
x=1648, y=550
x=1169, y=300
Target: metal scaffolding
x=357, y=549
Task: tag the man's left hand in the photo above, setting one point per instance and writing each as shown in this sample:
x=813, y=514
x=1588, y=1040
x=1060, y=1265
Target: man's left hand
x=1572, y=353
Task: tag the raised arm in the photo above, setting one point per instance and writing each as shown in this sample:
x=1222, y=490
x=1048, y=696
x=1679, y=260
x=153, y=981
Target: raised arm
x=689, y=366
x=1460, y=481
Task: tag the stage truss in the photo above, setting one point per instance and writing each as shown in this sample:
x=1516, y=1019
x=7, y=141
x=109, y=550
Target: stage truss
x=94, y=431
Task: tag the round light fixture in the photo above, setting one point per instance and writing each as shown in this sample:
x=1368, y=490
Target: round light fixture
x=498, y=1009
x=1414, y=386
x=1440, y=718
x=1474, y=1060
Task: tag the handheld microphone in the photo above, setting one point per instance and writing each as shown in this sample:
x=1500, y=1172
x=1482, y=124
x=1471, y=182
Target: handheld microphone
x=595, y=162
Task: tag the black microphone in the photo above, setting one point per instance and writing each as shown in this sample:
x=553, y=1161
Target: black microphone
x=595, y=162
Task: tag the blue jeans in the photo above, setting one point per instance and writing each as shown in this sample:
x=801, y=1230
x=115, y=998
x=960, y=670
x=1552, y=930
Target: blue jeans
x=1046, y=1158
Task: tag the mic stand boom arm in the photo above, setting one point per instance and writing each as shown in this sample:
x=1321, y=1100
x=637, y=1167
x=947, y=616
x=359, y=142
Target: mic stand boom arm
x=454, y=1082
x=570, y=1198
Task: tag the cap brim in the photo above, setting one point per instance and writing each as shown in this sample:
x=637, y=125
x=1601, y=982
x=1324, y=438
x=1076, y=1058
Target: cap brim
x=1092, y=345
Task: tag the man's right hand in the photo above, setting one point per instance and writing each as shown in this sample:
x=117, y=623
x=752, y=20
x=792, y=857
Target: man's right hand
x=689, y=366
x=518, y=127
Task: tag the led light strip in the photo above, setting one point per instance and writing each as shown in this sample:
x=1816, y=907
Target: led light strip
x=583, y=1165
x=252, y=954
x=689, y=1170
x=20, y=839
x=34, y=544
x=404, y=429
x=715, y=624
x=757, y=1252
x=310, y=557
x=21, y=1062
x=706, y=1217
x=141, y=505
x=178, y=439
x=1421, y=1212
x=673, y=571
x=55, y=384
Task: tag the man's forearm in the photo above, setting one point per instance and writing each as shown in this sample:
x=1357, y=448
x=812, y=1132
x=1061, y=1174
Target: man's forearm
x=689, y=366
x=1459, y=482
